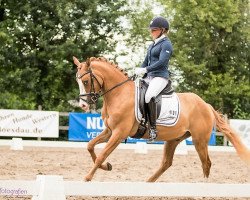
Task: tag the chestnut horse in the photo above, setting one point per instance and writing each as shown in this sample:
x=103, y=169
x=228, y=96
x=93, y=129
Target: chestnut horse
x=98, y=77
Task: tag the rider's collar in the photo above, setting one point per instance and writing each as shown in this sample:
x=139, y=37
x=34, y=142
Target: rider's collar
x=158, y=39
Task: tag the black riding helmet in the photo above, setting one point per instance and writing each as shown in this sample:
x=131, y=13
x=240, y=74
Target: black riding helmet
x=159, y=22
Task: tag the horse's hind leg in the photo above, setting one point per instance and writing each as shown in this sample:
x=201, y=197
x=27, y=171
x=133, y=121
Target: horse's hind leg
x=102, y=137
x=202, y=149
x=168, y=154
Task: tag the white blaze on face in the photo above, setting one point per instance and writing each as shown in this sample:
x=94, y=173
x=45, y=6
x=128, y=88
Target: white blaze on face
x=82, y=103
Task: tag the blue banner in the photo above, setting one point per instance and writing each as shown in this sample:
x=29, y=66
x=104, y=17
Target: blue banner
x=84, y=127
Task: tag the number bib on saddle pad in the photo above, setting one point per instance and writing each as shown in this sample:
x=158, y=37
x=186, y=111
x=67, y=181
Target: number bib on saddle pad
x=170, y=109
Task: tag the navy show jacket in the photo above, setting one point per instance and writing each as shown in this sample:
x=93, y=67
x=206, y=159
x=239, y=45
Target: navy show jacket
x=157, y=58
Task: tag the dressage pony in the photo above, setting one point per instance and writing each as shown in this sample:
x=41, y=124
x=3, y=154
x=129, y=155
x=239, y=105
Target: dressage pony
x=98, y=77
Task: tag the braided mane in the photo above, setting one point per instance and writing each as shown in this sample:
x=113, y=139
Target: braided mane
x=102, y=59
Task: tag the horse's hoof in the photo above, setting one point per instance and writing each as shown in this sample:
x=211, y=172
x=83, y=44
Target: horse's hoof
x=87, y=179
x=109, y=166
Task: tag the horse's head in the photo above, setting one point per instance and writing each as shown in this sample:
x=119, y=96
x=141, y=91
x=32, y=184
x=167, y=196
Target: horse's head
x=90, y=83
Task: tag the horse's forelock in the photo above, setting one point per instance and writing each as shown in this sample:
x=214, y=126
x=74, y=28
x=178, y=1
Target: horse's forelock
x=88, y=62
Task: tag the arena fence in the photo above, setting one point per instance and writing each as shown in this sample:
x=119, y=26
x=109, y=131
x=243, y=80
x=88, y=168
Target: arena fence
x=54, y=187
x=182, y=149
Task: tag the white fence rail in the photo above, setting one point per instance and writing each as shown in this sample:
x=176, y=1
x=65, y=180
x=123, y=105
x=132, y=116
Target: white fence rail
x=19, y=144
x=157, y=189
x=54, y=187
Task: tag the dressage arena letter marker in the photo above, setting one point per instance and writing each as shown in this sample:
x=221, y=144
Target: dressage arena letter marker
x=16, y=144
x=141, y=148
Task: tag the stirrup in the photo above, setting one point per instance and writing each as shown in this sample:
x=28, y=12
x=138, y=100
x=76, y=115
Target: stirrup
x=152, y=134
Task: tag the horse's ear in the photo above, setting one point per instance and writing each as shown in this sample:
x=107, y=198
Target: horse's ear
x=76, y=61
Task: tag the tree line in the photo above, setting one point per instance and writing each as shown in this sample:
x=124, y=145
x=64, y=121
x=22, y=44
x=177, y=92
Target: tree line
x=38, y=39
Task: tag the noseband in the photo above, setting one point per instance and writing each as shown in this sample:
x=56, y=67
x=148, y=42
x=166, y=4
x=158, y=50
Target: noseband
x=94, y=95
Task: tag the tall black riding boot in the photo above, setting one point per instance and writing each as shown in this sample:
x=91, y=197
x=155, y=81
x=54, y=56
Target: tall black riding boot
x=152, y=116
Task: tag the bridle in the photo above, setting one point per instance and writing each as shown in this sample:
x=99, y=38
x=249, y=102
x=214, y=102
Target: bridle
x=95, y=95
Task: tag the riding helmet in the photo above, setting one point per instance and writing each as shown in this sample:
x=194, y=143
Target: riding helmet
x=159, y=22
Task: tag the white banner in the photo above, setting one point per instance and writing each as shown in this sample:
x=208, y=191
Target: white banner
x=29, y=123
x=242, y=127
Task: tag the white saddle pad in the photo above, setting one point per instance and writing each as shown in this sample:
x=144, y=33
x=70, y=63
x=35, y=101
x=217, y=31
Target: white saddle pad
x=170, y=109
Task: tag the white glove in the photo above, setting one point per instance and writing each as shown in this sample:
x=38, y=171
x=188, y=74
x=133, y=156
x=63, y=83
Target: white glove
x=140, y=71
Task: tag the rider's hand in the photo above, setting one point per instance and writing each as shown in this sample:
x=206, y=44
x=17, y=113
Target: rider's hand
x=140, y=71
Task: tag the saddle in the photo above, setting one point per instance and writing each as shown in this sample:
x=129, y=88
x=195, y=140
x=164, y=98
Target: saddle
x=143, y=86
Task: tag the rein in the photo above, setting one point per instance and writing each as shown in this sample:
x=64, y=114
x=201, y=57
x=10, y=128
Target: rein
x=94, y=96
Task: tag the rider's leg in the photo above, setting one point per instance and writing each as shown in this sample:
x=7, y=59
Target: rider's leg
x=152, y=116
x=156, y=85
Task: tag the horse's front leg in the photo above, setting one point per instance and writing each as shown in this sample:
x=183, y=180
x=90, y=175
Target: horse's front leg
x=102, y=137
x=113, y=142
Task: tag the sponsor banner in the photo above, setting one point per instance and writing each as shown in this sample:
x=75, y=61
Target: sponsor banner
x=84, y=127
x=29, y=123
x=242, y=128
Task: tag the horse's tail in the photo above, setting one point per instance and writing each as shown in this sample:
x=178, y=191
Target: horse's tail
x=223, y=126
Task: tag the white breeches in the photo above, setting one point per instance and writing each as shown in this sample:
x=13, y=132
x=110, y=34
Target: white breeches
x=156, y=85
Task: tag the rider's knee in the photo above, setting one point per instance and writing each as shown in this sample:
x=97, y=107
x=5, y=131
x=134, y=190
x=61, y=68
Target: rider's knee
x=148, y=97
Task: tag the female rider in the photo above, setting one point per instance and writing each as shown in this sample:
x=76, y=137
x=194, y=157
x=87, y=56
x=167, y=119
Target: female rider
x=155, y=67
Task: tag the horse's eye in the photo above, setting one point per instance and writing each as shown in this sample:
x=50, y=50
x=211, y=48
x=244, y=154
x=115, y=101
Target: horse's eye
x=85, y=83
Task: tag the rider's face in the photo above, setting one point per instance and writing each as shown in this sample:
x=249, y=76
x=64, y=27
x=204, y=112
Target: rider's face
x=155, y=33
